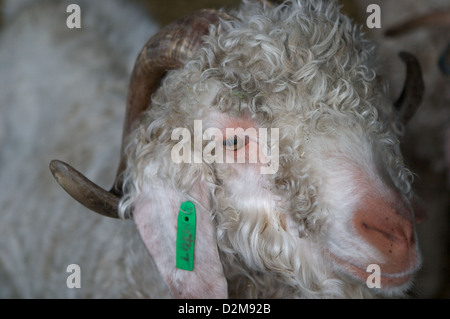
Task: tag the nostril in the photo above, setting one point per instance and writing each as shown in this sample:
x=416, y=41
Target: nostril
x=388, y=233
x=391, y=236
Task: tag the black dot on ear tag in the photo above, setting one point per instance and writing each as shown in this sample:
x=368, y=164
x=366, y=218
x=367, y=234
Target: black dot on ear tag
x=186, y=237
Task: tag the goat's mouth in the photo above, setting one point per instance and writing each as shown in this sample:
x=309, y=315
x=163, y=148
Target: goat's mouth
x=369, y=271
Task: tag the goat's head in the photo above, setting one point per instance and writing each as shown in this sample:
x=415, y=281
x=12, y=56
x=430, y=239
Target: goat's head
x=337, y=199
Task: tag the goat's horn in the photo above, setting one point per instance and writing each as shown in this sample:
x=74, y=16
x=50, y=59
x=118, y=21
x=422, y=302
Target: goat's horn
x=84, y=191
x=169, y=49
x=413, y=89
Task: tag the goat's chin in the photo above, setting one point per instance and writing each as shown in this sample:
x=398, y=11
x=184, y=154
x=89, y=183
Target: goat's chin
x=390, y=284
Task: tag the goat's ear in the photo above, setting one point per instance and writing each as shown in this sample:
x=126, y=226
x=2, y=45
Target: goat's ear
x=156, y=216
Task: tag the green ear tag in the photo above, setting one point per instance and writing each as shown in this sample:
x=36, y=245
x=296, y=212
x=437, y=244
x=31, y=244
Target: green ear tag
x=186, y=236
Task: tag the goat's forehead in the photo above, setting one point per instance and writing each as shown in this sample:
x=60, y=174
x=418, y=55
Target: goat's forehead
x=289, y=45
x=296, y=121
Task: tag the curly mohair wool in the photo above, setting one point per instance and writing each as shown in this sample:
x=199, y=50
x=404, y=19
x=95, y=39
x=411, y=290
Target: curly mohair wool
x=302, y=67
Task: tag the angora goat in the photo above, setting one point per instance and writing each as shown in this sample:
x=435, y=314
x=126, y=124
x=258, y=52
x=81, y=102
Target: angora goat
x=309, y=218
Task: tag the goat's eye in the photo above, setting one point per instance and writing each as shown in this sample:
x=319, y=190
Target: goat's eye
x=234, y=143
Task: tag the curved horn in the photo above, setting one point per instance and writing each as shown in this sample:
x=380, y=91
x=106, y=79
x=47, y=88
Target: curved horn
x=170, y=48
x=413, y=89
x=84, y=191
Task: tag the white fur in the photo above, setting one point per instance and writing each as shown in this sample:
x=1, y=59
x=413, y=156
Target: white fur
x=317, y=83
x=63, y=96
x=303, y=68
x=427, y=159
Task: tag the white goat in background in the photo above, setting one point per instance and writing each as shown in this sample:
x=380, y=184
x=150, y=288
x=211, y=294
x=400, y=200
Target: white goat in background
x=66, y=90
x=339, y=202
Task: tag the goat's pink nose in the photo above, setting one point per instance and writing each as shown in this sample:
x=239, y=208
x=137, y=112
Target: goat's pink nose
x=390, y=229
